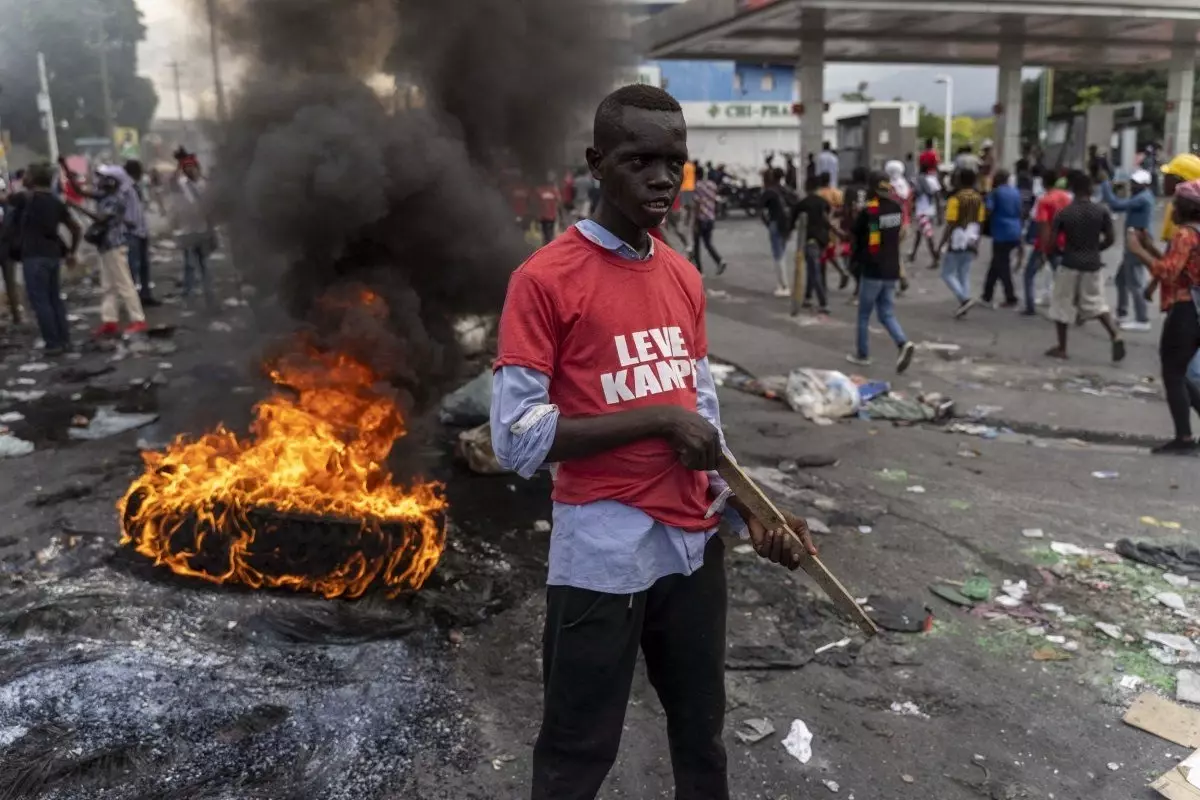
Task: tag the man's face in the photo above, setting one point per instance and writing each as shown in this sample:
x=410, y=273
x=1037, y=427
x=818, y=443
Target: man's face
x=642, y=167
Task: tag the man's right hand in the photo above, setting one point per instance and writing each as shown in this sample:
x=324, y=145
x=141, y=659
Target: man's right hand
x=694, y=438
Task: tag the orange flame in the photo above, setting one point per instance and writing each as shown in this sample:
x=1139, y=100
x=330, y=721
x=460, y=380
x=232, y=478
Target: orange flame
x=318, y=453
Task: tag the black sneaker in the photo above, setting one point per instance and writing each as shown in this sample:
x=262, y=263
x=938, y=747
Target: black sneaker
x=1176, y=447
x=721, y=268
x=907, y=350
x=966, y=306
x=843, y=281
x=1118, y=347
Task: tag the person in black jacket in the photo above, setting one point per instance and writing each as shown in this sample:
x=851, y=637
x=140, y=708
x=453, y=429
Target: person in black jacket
x=877, y=230
x=816, y=214
x=778, y=217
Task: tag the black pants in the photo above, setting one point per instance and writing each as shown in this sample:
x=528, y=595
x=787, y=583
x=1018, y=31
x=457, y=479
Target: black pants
x=703, y=234
x=9, y=269
x=1180, y=340
x=139, y=264
x=1001, y=270
x=589, y=652
x=547, y=231
x=814, y=274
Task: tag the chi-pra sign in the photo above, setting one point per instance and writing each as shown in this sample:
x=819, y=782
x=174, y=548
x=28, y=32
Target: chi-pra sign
x=653, y=362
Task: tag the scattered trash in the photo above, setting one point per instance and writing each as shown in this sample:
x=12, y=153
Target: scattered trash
x=1181, y=782
x=499, y=762
x=978, y=588
x=1007, y=602
x=1178, y=581
x=1068, y=549
x=799, y=742
x=10, y=417
x=898, y=408
x=1172, y=641
x=1131, y=682
x=753, y=731
x=968, y=452
x=1106, y=475
x=472, y=332
x=908, y=709
x=34, y=366
x=832, y=646
x=895, y=475
x=907, y=778
x=542, y=526
x=1033, y=533
x=1016, y=590
x=865, y=529
x=832, y=786
x=743, y=549
x=1171, y=600
x=1110, y=630
x=110, y=422
x=915, y=490
x=80, y=421
x=22, y=395
x=872, y=389
x=475, y=448
x=234, y=302
x=1187, y=686
x=455, y=636
x=1113, y=766
x=1155, y=523
x=1181, y=559
x=12, y=447
x=952, y=595
x=938, y=347
x=1050, y=654
x=979, y=412
x=817, y=526
x=764, y=657
x=1036, y=630
x=165, y=365
x=1165, y=719
x=1056, y=639
x=217, y=326
x=959, y=505
x=899, y=614
x=974, y=429
x=23, y=382
x=470, y=404
x=822, y=394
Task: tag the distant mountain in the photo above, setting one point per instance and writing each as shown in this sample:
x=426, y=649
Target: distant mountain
x=974, y=87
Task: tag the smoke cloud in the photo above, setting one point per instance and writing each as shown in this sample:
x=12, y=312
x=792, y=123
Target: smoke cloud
x=334, y=192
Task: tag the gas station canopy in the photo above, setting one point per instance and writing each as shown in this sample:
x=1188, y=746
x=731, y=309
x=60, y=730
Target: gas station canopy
x=1092, y=34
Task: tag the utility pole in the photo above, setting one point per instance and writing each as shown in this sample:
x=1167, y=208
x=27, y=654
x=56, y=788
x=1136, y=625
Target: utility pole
x=179, y=102
x=216, y=60
x=105, y=87
x=47, y=109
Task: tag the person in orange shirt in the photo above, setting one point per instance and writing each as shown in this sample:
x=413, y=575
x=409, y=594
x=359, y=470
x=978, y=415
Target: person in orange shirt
x=1179, y=273
x=687, y=195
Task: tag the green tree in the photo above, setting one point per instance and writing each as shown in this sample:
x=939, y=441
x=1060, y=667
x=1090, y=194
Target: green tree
x=70, y=33
x=930, y=126
x=859, y=96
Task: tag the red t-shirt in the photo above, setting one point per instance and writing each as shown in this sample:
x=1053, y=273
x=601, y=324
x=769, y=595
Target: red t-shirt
x=1049, y=206
x=613, y=334
x=547, y=197
x=928, y=161
x=519, y=197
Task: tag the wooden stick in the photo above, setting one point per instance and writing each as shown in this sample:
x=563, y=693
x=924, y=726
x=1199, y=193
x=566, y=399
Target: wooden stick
x=761, y=506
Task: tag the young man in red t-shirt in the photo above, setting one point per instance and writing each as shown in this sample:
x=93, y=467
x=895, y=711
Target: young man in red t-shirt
x=603, y=372
x=548, y=203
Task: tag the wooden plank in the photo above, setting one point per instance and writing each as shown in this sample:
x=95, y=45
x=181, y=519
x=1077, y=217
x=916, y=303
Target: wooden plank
x=761, y=506
x=1165, y=719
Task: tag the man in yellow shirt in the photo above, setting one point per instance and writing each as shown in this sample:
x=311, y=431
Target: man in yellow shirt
x=965, y=213
x=687, y=195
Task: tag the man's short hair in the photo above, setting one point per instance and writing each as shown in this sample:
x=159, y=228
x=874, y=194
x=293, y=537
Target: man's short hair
x=1080, y=183
x=826, y=146
x=40, y=176
x=637, y=95
x=812, y=182
x=966, y=178
x=825, y=179
x=929, y=144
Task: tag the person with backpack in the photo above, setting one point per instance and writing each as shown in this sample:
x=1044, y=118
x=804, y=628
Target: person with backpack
x=777, y=216
x=1179, y=274
x=965, y=215
x=31, y=234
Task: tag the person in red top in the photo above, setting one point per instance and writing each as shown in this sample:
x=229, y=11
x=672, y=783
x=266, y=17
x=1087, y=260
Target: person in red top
x=548, y=202
x=1179, y=273
x=613, y=328
x=929, y=161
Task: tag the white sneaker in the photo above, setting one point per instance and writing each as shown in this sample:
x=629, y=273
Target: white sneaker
x=854, y=358
x=782, y=292
x=1134, y=325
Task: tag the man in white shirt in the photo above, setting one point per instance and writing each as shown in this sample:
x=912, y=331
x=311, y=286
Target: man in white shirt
x=827, y=161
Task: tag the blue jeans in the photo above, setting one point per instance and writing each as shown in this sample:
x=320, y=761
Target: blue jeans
x=878, y=295
x=956, y=272
x=778, y=242
x=1036, y=259
x=1129, y=283
x=195, y=259
x=815, y=275
x=42, y=284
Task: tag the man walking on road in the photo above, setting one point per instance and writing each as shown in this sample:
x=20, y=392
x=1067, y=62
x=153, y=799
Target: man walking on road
x=816, y=213
x=1139, y=209
x=964, y=216
x=602, y=370
x=705, y=207
x=1079, y=284
x=1004, y=210
x=827, y=161
x=877, y=231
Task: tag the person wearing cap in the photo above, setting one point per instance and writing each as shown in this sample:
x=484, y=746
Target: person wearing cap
x=1179, y=272
x=1138, y=209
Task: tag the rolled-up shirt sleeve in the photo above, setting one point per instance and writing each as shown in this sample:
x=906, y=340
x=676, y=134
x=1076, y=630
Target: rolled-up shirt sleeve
x=709, y=407
x=524, y=421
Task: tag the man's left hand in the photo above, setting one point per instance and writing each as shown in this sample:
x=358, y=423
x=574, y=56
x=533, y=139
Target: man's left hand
x=777, y=545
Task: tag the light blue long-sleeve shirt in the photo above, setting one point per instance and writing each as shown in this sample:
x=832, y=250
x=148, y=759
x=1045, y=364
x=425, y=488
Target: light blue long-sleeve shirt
x=1139, y=209
x=605, y=546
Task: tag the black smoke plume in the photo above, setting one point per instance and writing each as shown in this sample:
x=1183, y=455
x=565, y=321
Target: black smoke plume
x=334, y=191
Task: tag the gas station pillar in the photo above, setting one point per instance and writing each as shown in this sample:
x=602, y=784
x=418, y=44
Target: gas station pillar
x=1008, y=117
x=1181, y=82
x=811, y=69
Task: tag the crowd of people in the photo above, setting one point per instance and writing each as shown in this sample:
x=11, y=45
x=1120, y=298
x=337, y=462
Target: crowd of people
x=108, y=212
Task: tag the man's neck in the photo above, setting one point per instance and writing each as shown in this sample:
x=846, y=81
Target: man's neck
x=619, y=225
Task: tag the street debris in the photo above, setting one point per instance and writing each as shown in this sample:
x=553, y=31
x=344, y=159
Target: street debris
x=1068, y=549
x=35, y=366
x=817, y=526
x=1171, y=641
x=1050, y=654
x=1111, y=631
x=822, y=394
x=865, y=529
x=1033, y=533
x=12, y=447
x=110, y=422
x=10, y=417
x=1171, y=600
x=1178, y=581
x=542, y=526
x=798, y=742
x=1187, y=686
x=1156, y=523
x=978, y=588
x=750, y=657
x=753, y=731
x=976, y=429
x=22, y=395
x=470, y=404
x=217, y=326
x=899, y=614
x=832, y=646
x=915, y=490
x=896, y=475
x=952, y=595
x=1106, y=475
x=1165, y=719
x=1180, y=559
x=1181, y=782
x=475, y=448
x=1113, y=766
x=908, y=709
x=832, y=786
x=1131, y=682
